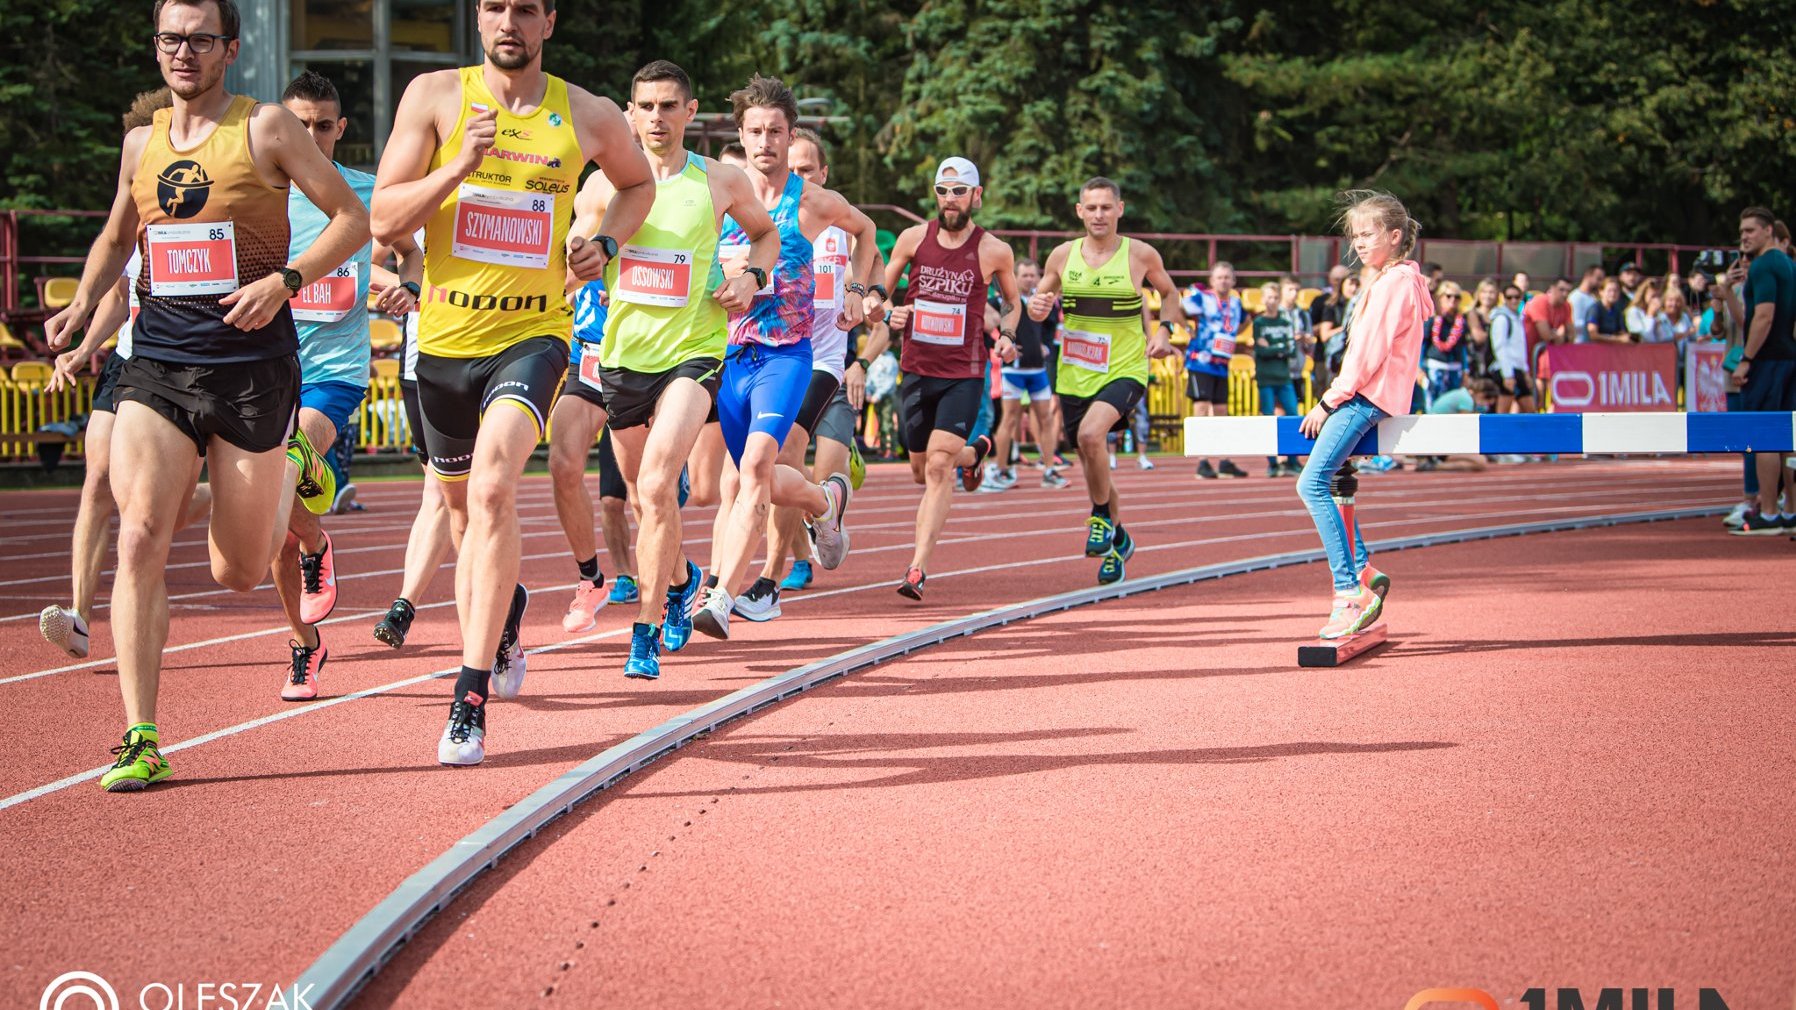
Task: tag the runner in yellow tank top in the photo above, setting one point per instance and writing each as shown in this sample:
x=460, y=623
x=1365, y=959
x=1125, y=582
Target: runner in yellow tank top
x=1104, y=354
x=660, y=358
x=485, y=160
x=214, y=375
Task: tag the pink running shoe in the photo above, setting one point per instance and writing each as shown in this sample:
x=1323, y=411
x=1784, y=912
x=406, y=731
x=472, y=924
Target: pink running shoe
x=318, y=584
x=583, y=611
x=302, y=678
x=1375, y=580
x=1353, y=613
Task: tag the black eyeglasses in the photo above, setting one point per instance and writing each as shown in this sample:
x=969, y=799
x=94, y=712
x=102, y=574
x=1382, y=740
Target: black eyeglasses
x=199, y=43
x=953, y=190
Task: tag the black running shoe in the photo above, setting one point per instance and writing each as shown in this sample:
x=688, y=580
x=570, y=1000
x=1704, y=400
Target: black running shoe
x=393, y=628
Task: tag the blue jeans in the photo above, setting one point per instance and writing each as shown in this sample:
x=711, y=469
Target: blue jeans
x=1282, y=395
x=1340, y=433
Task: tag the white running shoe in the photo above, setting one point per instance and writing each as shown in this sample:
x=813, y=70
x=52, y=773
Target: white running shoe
x=828, y=530
x=760, y=603
x=1052, y=478
x=1113, y=461
x=712, y=615
x=509, y=664
x=1144, y=463
x=64, y=629
x=992, y=484
x=1733, y=521
x=463, y=742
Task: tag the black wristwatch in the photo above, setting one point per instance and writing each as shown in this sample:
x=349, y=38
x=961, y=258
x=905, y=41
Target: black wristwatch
x=412, y=286
x=865, y=367
x=293, y=280
x=759, y=275
x=880, y=290
x=1168, y=327
x=607, y=245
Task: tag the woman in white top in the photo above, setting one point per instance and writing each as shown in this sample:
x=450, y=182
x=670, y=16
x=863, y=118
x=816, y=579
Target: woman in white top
x=1509, y=353
x=1672, y=323
x=1643, y=308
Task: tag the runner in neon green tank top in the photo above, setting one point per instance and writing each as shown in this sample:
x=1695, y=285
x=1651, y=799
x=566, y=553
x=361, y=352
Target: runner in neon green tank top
x=1104, y=350
x=663, y=350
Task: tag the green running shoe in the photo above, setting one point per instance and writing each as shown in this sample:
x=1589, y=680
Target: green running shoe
x=1100, y=536
x=139, y=763
x=316, y=484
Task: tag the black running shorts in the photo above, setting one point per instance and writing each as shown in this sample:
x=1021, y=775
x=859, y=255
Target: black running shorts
x=455, y=393
x=930, y=404
x=251, y=405
x=1123, y=394
x=631, y=397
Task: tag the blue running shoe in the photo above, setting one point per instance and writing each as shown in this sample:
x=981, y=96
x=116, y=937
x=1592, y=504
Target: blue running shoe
x=685, y=487
x=645, y=652
x=1100, y=536
x=799, y=577
x=676, y=630
x=1112, y=568
x=624, y=590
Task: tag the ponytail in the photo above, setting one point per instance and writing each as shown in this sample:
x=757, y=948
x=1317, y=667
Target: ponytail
x=1387, y=210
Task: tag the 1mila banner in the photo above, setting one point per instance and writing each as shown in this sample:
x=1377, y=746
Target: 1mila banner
x=1611, y=377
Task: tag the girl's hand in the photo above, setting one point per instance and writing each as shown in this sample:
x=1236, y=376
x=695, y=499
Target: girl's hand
x=1312, y=422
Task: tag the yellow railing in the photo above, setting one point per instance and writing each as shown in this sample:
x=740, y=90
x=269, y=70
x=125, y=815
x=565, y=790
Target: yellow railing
x=26, y=406
x=1168, y=406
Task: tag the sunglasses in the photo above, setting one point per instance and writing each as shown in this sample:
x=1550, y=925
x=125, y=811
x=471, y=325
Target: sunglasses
x=953, y=190
x=1512, y=296
x=200, y=43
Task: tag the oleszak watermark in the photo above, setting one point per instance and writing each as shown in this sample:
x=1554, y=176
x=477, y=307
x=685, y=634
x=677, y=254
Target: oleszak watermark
x=84, y=990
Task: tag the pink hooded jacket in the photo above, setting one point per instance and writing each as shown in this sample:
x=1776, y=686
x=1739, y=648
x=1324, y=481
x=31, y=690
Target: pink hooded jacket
x=1384, y=346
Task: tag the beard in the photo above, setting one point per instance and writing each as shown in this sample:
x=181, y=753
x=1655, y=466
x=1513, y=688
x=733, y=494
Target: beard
x=208, y=80
x=953, y=220
x=508, y=60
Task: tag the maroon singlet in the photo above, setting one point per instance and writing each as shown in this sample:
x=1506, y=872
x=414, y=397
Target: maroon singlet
x=946, y=334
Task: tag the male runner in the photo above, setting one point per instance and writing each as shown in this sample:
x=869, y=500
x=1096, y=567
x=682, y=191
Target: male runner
x=831, y=258
x=67, y=627
x=214, y=371
x=951, y=262
x=1028, y=374
x=485, y=159
x=331, y=316
x=665, y=339
x=1216, y=316
x=768, y=370
x=1104, y=352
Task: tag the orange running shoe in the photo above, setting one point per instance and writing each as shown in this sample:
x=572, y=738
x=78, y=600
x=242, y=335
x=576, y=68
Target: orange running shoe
x=1353, y=613
x=1375, y=580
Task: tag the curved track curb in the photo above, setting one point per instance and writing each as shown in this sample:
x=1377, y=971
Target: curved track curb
x=335, y=977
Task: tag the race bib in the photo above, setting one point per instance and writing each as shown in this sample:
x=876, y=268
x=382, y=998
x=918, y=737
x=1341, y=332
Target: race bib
x=734, y=258
x=502, y=227
x=938, y=323
x=1090, y=351
x=589, y=365
x=192, y=259
x=648, y=276
x=329, y=299
x=829, y=278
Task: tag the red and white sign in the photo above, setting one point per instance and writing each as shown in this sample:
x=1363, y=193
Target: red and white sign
x=938, y=323
x=648, y=276
x=503, y=227
x=1705, y=377
x=1090, y=351
x=589, y=365
x=1611, y=377
x=192, y=259
x=329, y=299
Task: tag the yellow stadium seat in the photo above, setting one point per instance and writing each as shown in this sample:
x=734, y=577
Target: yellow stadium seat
x=1251, y=300
x=8, y=342
x=1306, y=296
x=59, y=291
x=30, y=372
x=1465, y=302
x=385, y=334
x=386, y=368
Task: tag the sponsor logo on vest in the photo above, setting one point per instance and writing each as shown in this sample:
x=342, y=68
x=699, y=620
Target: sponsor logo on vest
x=502, y=178
x=488, y=303
x=524, y=157
x=182, y=188
x=547, y=185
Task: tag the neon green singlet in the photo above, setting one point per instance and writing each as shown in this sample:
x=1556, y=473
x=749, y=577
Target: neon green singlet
x=662, y=312
x=1104, y=340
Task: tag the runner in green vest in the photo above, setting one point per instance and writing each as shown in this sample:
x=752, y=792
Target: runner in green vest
x=1104, y=350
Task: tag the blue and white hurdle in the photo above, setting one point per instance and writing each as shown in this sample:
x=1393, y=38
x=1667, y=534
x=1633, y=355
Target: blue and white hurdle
x=1507, y=434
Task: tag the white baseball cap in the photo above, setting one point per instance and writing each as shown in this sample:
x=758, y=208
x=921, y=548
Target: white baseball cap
x=957, y=170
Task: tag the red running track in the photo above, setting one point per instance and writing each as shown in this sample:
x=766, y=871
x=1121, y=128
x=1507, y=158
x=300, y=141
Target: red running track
x=285, y=823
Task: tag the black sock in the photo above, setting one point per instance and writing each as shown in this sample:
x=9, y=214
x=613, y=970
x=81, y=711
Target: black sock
x=1101, y=511
x=589, y=570
x=710, y=582
x=763, y=586
x=1122, y=537
x=407, y=604
x=982, y=447
x=473, y=682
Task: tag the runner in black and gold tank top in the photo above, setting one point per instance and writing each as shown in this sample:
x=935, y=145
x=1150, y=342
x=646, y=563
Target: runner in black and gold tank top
x=1104, y=369
x=203, y=194
x=486, y=160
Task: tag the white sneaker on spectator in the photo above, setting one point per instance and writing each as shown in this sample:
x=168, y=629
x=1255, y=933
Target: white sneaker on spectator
x=992, y=483
x=1113, y=461
x=1737, y=516
x=1144, y=463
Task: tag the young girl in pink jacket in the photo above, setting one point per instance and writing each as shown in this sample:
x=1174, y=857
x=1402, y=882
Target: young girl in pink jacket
x=1377, y=377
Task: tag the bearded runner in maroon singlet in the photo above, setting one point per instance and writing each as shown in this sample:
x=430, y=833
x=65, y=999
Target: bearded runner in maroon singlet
x=943, y=360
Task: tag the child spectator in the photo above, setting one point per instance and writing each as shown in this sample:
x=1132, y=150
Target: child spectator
x=1608, y=323
x=1509, y=352
x=1274, y=342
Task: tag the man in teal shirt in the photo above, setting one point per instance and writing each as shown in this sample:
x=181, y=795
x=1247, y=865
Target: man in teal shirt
x=332, y=319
